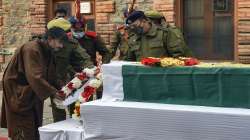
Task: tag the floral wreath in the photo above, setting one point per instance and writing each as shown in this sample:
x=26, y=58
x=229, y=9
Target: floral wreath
x=93, y=80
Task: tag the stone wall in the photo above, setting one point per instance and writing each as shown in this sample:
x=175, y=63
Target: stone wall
x=20, y=20
x=243, y=25
x=1, y=29
x=17, y=21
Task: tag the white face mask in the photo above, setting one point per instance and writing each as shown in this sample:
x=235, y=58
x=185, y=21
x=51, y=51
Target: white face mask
x=78, y=35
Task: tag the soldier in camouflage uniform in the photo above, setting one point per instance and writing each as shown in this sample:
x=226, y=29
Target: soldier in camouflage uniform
x=119, y=47
x=90, y=41
x=159, y=20
x=69, y=60
x=152, y=41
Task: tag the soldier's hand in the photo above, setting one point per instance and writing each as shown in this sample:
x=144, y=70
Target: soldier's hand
x=59, y=96
x=59, y=103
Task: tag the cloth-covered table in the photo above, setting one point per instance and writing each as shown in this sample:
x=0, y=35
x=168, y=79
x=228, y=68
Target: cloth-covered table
x=151, y=121
x=65, y=130
x=205, y=86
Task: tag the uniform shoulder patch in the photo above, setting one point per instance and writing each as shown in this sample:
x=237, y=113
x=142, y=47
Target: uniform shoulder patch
x=70, y=35
x=91, y=34
x=121, y=27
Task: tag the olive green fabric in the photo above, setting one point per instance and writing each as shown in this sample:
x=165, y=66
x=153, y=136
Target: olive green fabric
x=69, y=60
x=120, y=43
x=93, y=45
x=173, y=33
x=154, y=14
x=155, y=43
x=222, y=87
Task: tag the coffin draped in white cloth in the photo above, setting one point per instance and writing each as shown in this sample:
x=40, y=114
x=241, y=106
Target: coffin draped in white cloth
x=151, y=121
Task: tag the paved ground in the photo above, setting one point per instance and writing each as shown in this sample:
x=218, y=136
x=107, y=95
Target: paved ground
x=47, y=115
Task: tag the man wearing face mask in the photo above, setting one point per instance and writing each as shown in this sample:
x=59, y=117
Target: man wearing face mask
x=27, y=81
x=90, y=41
x=150, y=40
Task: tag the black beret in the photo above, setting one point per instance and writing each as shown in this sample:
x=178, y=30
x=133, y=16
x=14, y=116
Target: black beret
x=134, y=16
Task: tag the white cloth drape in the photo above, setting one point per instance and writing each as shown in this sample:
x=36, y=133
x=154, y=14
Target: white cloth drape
x=149, y=121
x=64, y=130
x=113, y=81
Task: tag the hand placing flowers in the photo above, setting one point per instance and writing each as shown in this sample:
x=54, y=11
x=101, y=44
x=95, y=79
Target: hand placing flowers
x=76, y=83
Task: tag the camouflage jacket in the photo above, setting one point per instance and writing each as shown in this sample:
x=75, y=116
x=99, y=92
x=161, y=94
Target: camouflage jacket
x=157, y=42
x=69, y=60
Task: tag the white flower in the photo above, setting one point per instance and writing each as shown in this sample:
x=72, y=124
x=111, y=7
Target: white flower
x=77, y=83
x=95, y=83
x=90, y=72
x=75, y=117
x=66, y=90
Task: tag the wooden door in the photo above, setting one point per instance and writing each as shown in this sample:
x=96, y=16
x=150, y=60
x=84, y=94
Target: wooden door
x=69, y=5
x=208, y=28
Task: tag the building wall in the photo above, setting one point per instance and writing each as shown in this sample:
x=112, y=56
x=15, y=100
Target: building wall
x=19, y=19
x=1, y=29
x=243, y=27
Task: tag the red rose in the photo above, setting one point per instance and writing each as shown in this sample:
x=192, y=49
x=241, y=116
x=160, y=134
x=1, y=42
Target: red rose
x=191, y=62
x=88, y=92
x=70, y=85
x=150, y=61
x=81, y=76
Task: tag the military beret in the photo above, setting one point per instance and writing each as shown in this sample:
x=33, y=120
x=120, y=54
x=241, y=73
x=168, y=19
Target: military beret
x=60, y=22
x=134, y=16
x=154, y=14
x=76, y=23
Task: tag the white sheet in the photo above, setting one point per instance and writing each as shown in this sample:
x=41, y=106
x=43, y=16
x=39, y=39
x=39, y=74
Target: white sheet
x=149, y=121
x=113, y=81
x=64, y=130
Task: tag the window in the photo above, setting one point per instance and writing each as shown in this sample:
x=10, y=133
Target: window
x=221, y=5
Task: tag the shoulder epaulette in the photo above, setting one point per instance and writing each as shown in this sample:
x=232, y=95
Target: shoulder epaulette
x=70, y=35
x=91, y=34
x=121, y=27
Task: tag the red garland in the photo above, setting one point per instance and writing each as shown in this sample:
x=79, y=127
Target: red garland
x=191, y=62
x=88, y=91
x=150, y=61
x=70, y=85
x=81, y=76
